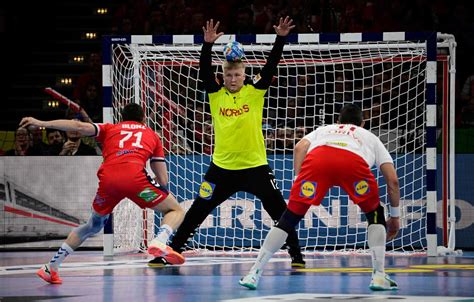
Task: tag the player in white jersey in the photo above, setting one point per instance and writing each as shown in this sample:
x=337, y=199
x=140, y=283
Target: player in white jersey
x=339, y=155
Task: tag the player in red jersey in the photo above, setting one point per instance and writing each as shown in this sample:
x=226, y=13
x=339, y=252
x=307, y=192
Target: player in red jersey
x=127, y=146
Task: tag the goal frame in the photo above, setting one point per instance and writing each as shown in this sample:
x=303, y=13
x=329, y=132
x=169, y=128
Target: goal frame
x=432, y=40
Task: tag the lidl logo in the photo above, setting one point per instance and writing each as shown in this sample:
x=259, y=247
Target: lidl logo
x=206, y=190
x=361, y=187
x=148, y=195
x=308, y=189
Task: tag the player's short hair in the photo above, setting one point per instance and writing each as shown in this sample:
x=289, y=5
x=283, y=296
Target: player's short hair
x=232, y=65
x=350, y=114
x=132, y=112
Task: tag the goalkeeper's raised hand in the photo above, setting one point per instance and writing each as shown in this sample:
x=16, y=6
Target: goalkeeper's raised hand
x=210, y=31
x=284, y=26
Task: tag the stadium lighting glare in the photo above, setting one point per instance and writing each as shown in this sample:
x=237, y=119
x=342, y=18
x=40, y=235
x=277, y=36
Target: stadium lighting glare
x=91, y=35
x=65, y=81
x=78, y=59
x=52, y=104
x=102, y=11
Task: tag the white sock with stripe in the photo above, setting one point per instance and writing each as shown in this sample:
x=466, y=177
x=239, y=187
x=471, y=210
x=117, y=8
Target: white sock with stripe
x=164, y=233
x=376, y=240
x=61, y=254
x=273, y=242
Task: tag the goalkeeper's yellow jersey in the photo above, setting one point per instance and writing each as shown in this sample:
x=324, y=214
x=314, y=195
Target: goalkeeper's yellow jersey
x=237, y=119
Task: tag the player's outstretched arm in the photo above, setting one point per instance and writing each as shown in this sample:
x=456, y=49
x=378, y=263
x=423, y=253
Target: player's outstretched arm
x=63, y=125
x=393, y=191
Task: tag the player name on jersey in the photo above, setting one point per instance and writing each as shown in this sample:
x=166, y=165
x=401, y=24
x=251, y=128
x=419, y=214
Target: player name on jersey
x=133, y=126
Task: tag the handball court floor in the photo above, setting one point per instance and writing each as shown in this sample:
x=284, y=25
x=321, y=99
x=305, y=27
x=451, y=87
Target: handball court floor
x=88, y=276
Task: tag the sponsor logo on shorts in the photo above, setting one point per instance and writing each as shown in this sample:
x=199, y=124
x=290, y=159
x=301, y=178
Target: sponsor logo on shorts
x=123, y=152
x=206, y=190
x=148, y=195
x=361, y=187
x=308, y=189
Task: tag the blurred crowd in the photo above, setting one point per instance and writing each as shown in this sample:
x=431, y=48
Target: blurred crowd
x=300, y=104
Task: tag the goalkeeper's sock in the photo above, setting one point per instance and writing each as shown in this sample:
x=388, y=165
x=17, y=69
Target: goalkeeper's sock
x=61, y=254
x=273, y=242
x=164, y=233
x=376, y=240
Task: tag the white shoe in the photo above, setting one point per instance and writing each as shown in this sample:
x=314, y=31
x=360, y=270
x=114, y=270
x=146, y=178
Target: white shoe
x=251, y=280
x=381, y=281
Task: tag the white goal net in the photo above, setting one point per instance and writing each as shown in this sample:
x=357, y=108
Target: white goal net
x=387, y=79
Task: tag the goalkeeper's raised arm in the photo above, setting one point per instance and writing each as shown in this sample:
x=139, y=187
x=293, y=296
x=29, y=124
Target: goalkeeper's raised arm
x=269, y=70
x=205, y=62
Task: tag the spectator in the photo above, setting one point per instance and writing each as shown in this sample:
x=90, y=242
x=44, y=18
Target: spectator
x=75, y=146
x=373, y=116
x=91, y=102
x=467, y=102
x=178, y=144
x=244, y=22
x=22, y=143
x=37, y=146
x=92, y=75
x=55, y=141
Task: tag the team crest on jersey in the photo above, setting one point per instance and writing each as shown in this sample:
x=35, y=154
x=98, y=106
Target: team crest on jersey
x=361, y=187
x=308, y=189
x=206, y=190
x=256, y=78
x=148, y=195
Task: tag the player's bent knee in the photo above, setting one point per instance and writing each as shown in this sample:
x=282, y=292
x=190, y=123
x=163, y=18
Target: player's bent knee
x=377, y=216
x=168, y=204
x=288, y=221
x=94, y=225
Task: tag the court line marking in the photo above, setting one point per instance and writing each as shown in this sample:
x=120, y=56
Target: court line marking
x=342, y=297
x=126, y=264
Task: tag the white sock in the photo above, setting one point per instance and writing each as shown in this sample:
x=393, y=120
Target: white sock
x=273, y=242
x=376, y=239
x=61, y=254
x=164, y=233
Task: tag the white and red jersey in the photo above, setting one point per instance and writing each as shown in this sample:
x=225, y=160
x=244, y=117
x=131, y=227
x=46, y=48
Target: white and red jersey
x=129, y=142
x=351, y=138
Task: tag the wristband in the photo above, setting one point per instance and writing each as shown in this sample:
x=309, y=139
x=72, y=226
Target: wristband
x=395, y=212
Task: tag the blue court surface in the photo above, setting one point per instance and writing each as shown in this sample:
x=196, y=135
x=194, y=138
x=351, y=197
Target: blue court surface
x=88, y=276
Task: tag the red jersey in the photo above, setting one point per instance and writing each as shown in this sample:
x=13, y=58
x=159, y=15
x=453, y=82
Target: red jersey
x=129, y=142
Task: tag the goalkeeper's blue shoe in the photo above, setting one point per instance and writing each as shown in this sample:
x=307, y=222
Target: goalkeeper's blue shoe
x=381, y=281
x=251, y=280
